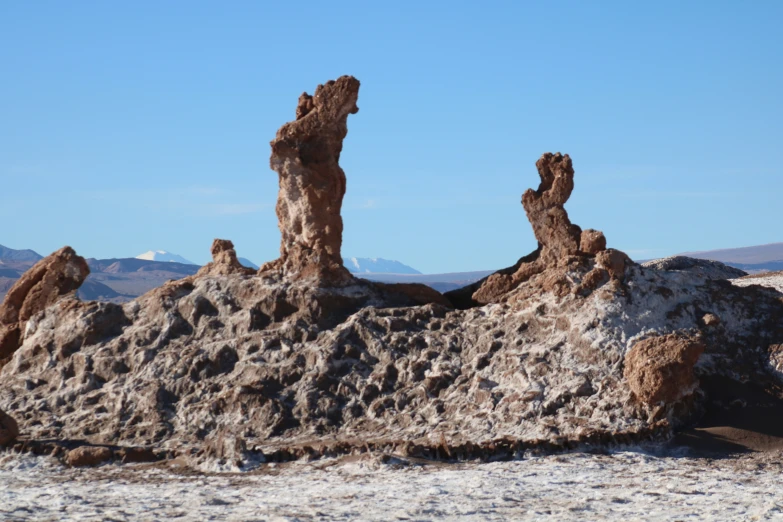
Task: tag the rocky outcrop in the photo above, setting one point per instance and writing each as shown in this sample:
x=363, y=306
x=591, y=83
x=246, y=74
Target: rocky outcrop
x=48, y=280
x=306, y=155
x=705, y=267
x=562, y=246
x=9, y=429
x=224, y=261
x=660, y=369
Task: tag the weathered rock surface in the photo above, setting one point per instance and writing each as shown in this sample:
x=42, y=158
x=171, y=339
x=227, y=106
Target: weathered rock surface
x=9, y=429
x=48, y=280
x=710, y=269
x=242, y=366
x=660, y=369
x=306, y=155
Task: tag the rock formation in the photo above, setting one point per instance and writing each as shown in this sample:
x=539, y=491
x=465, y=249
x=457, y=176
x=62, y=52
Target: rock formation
x=9, y=429
x=578, y=346
x=306, y=155
x=660, y=369
x=561, y=244
x=47, y=281
x=224, y=261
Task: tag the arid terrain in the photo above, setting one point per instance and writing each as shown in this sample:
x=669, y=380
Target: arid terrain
x=301, y=376
x=579, y=486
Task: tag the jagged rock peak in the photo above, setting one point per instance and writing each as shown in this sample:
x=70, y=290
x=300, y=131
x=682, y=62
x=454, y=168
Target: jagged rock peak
x=47, y=281
x=224, y=260
x=306, y=155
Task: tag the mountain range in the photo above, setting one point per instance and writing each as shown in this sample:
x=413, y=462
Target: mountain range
x=376, y=265
x=123, y=279
x=162, y=255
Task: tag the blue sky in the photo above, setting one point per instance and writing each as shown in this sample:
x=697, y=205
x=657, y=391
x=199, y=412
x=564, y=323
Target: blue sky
x=142, y=125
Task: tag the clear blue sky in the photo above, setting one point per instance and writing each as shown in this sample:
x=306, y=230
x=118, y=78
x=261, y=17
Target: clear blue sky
x=129, y=126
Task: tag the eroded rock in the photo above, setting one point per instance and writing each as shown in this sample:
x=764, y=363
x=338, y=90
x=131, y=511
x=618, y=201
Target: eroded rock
x=660, y=369
x=224, y=261
x=51, y=278
x=592, y=241
x=9, y=429
x=561, y=243
x=306, y=155
x=88, y=456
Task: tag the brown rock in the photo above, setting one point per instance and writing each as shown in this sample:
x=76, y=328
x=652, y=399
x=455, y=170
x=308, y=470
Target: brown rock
x=47, y=281
x=129, y=455
x=306, y=154
x=88, y=456
x=559, y=240
x=592, y=241
x=614, y=261
x=544, y=207
x=9, y=430
x=224, y=260
x=660, y=369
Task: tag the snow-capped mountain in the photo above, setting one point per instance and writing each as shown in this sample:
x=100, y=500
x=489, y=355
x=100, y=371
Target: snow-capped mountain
x=162, y=255
x=376, y=265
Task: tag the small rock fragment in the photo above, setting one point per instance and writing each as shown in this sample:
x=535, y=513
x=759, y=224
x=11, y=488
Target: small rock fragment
x=592, y=242
x=88, y=456
x=660, y=369
x=614, y=262
x=9, y=429
x=710, y=320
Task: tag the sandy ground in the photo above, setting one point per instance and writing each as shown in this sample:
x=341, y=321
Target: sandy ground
x=625, y=485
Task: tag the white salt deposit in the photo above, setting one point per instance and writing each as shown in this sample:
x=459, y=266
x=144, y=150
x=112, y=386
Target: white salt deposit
x=621, y=486
x=774, y=280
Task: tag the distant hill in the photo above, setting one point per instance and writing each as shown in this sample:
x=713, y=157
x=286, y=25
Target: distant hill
x=376, y=265
x=162, y=255
x=132, y=264
x=440, y=282
x=248, y=263
x=752, y=259
x=9, y=254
